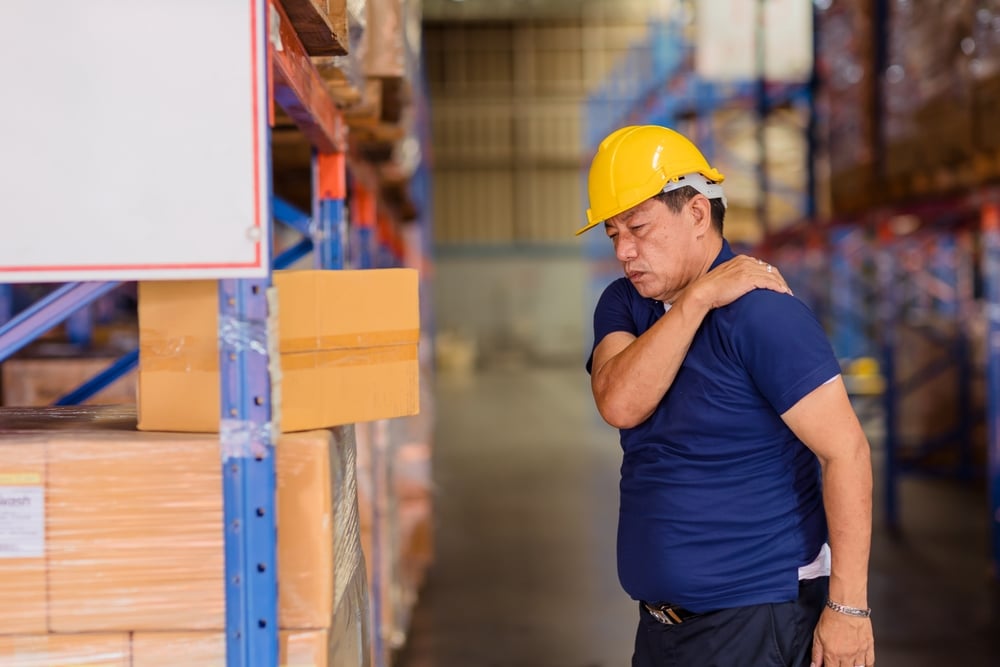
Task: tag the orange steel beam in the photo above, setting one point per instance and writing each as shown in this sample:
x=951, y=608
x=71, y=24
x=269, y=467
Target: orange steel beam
x=298, y=87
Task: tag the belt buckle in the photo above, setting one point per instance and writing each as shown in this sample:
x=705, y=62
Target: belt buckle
x=664, y=614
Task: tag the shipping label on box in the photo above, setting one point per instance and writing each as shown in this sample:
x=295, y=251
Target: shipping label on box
x=22, y=535
x=22, y=515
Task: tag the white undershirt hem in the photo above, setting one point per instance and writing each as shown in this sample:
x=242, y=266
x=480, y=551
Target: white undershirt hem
x=819, y=567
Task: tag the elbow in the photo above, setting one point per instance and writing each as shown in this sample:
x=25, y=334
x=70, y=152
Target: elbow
x=620, y=416
x=617, y=407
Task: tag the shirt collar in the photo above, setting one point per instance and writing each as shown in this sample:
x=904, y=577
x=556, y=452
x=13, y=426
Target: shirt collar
x=725, y=254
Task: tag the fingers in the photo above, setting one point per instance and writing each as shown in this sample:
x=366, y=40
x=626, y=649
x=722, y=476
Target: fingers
x=770, y=276
x=817, y=651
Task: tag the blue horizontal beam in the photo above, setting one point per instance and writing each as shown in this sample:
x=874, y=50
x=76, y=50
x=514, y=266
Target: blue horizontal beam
x=48, y=312
x=287, y=214
x=293, y=254
x=105, y=378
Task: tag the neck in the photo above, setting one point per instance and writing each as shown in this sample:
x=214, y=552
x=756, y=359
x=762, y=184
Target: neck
x=712, y=246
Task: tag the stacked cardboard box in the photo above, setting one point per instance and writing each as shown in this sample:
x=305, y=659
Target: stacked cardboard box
x=108, y=533
x=30, y=381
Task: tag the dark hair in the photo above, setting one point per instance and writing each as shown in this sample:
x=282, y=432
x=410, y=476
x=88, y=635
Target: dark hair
x=676, y=199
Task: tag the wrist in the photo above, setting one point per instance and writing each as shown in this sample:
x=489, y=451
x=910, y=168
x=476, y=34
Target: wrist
x=847, y=610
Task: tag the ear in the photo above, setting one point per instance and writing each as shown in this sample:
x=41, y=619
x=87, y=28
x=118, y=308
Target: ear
x=701, y=213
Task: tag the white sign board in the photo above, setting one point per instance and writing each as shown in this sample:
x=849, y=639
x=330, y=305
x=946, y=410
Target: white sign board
x=727, y=34
x=133, y=139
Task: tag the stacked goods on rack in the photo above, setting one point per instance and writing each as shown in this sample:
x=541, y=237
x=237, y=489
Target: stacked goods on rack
x=846, y=66
x=985, y=68
x=927, y=94
x=322, y=25
x=937, y=345
x=43, y=380
x=394, y=497
x=916, y=120
x=68, y=355
x=109, y=545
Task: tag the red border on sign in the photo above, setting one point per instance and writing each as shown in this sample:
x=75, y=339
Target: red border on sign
x=255, y=106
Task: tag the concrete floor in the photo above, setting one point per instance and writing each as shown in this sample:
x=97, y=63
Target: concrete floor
x=526, y=511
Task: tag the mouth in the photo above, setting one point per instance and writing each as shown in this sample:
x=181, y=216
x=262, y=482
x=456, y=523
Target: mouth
x=633, y=275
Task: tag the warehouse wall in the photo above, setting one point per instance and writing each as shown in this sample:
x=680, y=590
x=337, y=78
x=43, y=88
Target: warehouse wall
x=507, y=105
x=526, y=308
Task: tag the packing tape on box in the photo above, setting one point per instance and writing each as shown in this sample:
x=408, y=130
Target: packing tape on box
x=240, y=439
x=352, y=340
x=242, y=336
x=343, y=358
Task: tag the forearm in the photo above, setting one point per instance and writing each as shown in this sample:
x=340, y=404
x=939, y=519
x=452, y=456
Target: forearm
x=847, y=496
x=630, y=384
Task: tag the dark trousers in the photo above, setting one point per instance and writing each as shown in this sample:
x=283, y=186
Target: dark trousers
x=766, y=635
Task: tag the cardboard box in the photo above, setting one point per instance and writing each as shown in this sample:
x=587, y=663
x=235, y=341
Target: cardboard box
x=65, y=651
x=309, y=478
x=138, y=546
x=37, y=382
x=347, y=346
x=22, y=536
x=167, y=649
x=208, y=649
x=134, y=532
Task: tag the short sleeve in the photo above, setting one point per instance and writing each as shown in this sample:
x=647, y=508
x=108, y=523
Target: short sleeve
x=783, y=347
x=613, y=313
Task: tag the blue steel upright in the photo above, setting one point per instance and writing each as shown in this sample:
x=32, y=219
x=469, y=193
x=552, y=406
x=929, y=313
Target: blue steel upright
x=6, y=302
x=887, y=316
x=329, y=232
x=248, y=474
x=991, y=283
x=247, y=434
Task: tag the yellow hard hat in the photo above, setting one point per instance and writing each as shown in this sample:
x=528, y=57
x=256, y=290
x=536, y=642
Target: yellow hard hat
x=637, y=162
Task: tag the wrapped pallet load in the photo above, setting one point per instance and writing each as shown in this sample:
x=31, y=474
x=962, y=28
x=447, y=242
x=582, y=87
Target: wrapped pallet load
x=113, y=543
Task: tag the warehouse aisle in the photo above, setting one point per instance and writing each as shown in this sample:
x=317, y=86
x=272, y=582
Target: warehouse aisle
x=526, y=505
x=526, y=508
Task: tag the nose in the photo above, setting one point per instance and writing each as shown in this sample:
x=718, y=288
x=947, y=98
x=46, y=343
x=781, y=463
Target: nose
x=624, y=248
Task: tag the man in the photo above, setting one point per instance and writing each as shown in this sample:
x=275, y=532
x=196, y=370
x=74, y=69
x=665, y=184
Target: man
x=745, y=516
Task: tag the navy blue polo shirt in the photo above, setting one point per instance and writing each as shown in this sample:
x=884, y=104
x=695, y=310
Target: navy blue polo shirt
x=720, y=502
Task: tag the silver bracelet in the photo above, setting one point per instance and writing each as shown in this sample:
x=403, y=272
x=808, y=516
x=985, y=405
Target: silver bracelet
x=850, y=611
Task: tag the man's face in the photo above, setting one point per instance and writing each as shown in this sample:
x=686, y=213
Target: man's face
x=656, y=248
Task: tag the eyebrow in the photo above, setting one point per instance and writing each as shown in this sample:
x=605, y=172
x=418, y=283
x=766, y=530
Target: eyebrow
x=624, y=216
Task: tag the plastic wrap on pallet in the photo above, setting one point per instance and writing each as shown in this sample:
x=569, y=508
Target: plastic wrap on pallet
x=100, y=532
x=350, y=635
x=350, y=66
x=97, y=650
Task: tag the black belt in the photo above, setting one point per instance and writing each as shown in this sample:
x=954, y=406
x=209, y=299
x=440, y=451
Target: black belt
x=668, y=614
